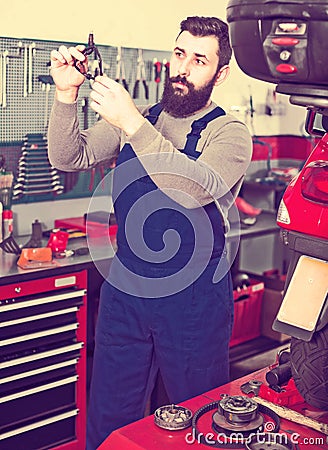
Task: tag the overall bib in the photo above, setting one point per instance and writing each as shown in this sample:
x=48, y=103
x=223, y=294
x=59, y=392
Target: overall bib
x=159, y=312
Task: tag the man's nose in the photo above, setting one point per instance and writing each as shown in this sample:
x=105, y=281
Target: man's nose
x=184, y=68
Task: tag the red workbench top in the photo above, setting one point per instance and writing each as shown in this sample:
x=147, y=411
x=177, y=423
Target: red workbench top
x=145, y=434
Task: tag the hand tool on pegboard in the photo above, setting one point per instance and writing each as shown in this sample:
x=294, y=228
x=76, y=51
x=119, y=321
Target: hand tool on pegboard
x=31, y=50
x=141, y=76
x=35, y=175
x=1, y=75
x=166, y=66
x=46, y=83
x=5, y=55
x=157, y=76
x=25, y=70
x=120, y=69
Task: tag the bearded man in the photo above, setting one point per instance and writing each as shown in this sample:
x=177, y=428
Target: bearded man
x=167, y=302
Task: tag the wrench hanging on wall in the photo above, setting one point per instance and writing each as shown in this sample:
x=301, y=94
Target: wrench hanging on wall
x=31, y=48
x=120, y=69
x=141, y=77
x=1, y=83
x=25, y=70
x=5, y=54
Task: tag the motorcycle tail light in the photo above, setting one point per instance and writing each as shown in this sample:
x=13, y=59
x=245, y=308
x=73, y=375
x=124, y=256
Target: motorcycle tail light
x=314, y=184
x=283, y=215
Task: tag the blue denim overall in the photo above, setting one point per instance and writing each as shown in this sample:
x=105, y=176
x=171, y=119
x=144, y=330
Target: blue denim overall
x=159, y=313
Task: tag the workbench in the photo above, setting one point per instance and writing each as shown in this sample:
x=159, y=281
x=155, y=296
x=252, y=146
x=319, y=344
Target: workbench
x=146, y=435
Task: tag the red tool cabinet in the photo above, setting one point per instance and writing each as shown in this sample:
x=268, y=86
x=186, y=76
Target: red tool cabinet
x=43, y=363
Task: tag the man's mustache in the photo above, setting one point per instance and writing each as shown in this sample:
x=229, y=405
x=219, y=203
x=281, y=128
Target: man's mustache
x=183, y=80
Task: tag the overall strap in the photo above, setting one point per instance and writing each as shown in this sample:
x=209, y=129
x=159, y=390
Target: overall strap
x=154, y=113
x=198, y=126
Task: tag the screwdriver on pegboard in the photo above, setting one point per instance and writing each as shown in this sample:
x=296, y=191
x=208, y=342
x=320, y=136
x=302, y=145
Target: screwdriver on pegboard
x=157, y=76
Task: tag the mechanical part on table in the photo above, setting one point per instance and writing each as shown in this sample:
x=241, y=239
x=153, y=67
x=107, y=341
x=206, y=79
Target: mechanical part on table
x=36, y=239
x=237, y=413
x=35, y=174
x=141, y=77
x=120, y=69
x=254, y=387
x=157, y=76
x=279, y=376
x=67, y=253
x=173, y=417
x=237, y=417
x=96, y=65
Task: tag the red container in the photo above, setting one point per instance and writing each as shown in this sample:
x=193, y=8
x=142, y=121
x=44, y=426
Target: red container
x=93, y=229
x=247, y=310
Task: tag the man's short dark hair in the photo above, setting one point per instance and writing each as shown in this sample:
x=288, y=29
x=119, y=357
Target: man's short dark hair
x=210, y=26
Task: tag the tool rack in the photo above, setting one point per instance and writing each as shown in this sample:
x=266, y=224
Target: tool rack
x=26, y=95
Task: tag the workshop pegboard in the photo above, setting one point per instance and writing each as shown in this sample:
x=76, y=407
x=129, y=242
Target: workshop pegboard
x=26, y=92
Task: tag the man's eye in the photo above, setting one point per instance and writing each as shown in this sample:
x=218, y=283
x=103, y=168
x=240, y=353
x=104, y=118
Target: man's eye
x=200, y=62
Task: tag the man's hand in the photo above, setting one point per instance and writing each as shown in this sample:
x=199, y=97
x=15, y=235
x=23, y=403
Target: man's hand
x=115, y=105
x=66, y=77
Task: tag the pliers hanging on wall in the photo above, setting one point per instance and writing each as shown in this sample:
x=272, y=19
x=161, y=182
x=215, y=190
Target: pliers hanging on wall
x=141, y=76
x=120, y=69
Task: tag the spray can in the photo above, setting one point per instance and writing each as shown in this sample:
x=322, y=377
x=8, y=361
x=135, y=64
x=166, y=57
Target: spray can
x=7, y=223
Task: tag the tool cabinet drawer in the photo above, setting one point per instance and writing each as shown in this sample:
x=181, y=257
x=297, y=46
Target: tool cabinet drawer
x=35, y=378
x=37, y=402
x=49, y=284
x=18, y=366
x=38, y=339
x=45, y=434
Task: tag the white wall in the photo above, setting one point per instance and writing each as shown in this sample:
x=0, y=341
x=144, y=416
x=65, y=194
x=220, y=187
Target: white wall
x=134, y=23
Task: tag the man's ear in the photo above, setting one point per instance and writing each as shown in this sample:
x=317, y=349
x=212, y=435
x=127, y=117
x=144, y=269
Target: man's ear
x=222, y=75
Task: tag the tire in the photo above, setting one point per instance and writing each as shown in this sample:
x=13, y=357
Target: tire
x=309, y=363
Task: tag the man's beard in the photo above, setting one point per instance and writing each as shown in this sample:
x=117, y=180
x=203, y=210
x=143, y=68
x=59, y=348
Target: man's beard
x=178, y=104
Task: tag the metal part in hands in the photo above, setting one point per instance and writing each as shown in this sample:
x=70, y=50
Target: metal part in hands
x=80, y=65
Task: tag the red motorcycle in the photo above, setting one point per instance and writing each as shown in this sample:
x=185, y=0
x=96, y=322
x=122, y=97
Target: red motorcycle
x=284, y=42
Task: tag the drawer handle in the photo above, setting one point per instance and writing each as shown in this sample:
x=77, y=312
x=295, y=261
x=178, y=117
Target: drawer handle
x=34, y=372
x=37, y=356
x=43, y=300
x=40, y=334
x=45, y=387
x=40, y=424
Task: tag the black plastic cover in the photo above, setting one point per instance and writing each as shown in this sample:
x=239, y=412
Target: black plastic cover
x=301, y=57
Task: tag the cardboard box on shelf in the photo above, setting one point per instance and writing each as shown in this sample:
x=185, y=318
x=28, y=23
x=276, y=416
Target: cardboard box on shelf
x=271, y=302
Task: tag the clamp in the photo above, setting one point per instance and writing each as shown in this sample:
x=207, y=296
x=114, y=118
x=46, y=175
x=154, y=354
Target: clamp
x=141, y=76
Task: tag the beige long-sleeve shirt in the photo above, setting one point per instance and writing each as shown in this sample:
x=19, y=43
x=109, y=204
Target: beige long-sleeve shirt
x=225, y=149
